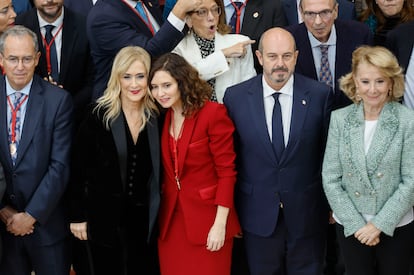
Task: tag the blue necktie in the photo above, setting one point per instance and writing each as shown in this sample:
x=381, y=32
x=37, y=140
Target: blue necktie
x=140, y=8
x=278, y=139
x=233, y=19
x=53, y=54
x=325, y=72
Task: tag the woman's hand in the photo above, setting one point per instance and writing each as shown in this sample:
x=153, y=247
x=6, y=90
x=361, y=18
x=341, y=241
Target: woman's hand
x=216, y=237
x=237, y=50
x=79, y=230
x=368, y=235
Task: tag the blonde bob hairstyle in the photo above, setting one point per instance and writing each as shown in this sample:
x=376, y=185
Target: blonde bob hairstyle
x=380, y=58
x=110, y=101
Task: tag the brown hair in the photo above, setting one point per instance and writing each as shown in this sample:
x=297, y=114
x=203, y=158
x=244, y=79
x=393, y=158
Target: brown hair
x=194, y=91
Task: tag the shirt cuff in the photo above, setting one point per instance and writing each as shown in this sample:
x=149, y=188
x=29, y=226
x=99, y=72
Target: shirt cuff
x=176, y=22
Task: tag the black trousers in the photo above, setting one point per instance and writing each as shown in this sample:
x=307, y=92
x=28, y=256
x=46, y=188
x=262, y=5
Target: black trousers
x=392, y=256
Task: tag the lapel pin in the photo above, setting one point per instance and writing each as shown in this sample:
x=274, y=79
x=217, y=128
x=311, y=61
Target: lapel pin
x=256, y=14
x=150, y=4
x=303, y=102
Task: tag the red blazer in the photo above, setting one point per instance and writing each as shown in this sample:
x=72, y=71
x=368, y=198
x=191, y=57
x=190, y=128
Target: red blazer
x=206, y=162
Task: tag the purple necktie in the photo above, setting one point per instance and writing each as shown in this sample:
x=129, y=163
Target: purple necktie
x=325, y=72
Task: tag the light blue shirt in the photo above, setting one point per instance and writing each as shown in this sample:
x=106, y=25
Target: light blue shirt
x=10, y=93
x=409, y=83
x=316, y=51
x=229, y=10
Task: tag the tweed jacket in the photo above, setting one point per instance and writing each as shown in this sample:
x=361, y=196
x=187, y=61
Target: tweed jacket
x=380, y=183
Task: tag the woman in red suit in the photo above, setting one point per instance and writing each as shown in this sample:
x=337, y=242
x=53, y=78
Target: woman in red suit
x=197, y=216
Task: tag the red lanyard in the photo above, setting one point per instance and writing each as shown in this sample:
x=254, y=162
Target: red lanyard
x=238, y=12
x=146, y=21
x=47, y=47
x=14, y=114
x=175, y=150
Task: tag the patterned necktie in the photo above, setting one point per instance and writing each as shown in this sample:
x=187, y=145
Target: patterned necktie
x=17, y=126
x=278, y=139
x=53, y=55
x=325, y=73
x=235, y=16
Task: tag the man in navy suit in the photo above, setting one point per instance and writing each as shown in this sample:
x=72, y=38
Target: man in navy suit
x=35, y=147
x=114, y=24
x=80, y=6
x=342, y=37
x=346, y=11
x=75, y=70
x=279, y=196
x=401, y=42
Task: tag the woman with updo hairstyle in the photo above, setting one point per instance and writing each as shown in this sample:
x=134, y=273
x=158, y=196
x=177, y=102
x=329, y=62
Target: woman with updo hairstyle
x=367, y=173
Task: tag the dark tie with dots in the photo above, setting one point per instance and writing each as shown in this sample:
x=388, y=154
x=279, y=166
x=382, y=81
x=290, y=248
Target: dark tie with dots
x=278, y=140
x=325, y=75
x=53, y=55
x=233, y=19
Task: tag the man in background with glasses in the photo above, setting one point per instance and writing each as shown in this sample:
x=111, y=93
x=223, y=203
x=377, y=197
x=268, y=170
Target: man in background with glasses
x=326, y=43
x=35, y=138
x=325, y=46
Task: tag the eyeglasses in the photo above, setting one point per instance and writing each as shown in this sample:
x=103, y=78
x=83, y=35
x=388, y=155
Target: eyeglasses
x=216, y=11
x=14, y=61
x=324, y=15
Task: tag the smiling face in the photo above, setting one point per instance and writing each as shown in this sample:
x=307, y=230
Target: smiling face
x=49, y=10
x=7, y=15
x=164, y=89
x=134, y=83
x=390, y=7
x=372, y=86
x=204, y=21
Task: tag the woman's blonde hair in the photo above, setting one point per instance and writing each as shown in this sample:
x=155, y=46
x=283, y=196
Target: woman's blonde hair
x=110, y=101
x=380, y=58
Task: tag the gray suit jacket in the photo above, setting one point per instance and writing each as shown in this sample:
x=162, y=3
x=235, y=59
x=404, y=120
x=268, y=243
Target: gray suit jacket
x=380, y=183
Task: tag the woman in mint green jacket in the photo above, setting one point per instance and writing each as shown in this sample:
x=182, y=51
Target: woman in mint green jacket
x=368, y=169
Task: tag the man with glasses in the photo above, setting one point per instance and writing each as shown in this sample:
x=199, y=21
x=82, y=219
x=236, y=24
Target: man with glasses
x=326, y=43
x=36, y=131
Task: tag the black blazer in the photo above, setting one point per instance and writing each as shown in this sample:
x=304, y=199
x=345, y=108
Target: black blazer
x=76, y=66
x=79, y=6
x=401, y=41
x=98, y=177
x=350, y=34
x=259, y=16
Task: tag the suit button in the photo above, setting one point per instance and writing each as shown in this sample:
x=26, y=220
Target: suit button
x=349, y=174
x=281, y=204
x=357, y=194
x=380, y=175
x=12, y=197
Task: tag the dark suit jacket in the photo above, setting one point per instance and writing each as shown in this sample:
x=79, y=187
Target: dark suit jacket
x=346, y=11
x=76, y=66
x=113, y=24
x=350, y=35
x=262, y=181
x=37, y=181
x=401, y=41
x=99, y=166
x=208, y=173
x=80, y=6
x=259, y=16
